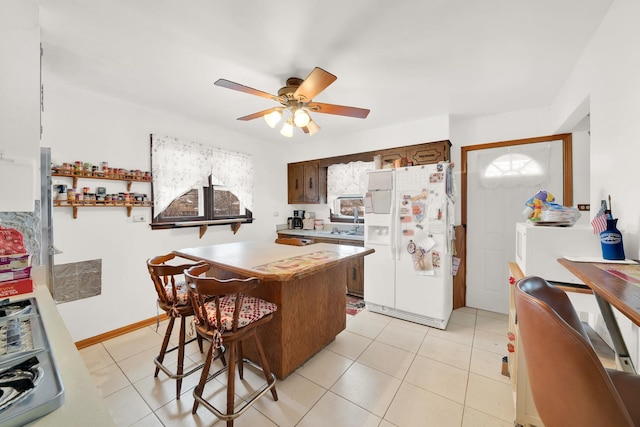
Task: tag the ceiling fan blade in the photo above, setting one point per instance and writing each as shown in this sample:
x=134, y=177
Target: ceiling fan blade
x=317, y=81
x=242, y=88
x=258, y=114
x=339, y=110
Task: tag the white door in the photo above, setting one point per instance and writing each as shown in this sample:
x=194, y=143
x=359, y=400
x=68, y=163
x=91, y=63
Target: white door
x=499, y=182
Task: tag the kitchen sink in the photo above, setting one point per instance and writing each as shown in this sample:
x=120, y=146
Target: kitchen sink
x=340, y=232
x=350, y=233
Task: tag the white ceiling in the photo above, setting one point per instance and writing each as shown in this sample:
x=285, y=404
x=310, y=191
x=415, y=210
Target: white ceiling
x=405, y=60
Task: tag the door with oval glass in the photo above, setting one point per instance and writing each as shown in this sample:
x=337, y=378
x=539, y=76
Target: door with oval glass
x=500, y=178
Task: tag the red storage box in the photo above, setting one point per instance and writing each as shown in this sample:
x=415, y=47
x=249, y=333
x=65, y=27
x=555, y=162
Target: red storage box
x=16, y=287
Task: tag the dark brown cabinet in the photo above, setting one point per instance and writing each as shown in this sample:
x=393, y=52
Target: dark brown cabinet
x=392, y=154
x=428, y=154
x=421, y=154
x=355, y=277
x=304, y=183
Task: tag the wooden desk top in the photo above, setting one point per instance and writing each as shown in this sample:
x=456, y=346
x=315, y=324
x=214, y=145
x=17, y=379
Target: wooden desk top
x=271, y=261
x=618, y=292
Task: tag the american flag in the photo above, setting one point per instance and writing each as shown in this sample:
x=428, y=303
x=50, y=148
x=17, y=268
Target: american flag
x=599, y=223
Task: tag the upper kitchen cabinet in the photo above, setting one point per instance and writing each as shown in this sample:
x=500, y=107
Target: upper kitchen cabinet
x=427, y=154
x=420, y=154
x=306, y=183
x=392, y=154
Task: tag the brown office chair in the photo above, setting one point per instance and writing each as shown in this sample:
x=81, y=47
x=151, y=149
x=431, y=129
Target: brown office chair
x=226, y=314
x=173, y=298
x=570, y=386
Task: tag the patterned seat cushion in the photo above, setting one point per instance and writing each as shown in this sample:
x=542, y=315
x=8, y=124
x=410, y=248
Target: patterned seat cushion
x=252, y=309
x=182, y=292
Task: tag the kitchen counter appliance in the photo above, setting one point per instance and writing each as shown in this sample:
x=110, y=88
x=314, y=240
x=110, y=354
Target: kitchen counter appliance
x=298, y=216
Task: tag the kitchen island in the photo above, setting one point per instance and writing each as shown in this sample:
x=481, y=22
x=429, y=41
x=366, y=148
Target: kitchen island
x=308, y=283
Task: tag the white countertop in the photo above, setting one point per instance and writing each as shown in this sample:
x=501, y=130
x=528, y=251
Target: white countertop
x=83, y=405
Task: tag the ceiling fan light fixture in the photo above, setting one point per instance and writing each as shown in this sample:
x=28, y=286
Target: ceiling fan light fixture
x=312, y=127
x=287, y=129
x=295, y=100
x=273, y=118
x=301, y=118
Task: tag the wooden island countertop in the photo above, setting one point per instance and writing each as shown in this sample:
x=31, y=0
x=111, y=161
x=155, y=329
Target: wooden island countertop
x=271, y=261
x=308, y=283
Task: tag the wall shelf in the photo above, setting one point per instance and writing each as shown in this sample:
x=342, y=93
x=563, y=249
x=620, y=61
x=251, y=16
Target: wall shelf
x=92, y=204
x=129, y=179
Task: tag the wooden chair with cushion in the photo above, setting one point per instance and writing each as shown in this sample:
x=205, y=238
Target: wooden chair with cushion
x=570, y=386
x=173, y=298
x=227, y=315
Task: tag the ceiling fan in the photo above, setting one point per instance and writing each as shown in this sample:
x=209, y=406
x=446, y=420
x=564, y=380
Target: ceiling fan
x=296, y=99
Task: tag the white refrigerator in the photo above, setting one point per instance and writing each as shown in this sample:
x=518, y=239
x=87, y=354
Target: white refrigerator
x=409, y=216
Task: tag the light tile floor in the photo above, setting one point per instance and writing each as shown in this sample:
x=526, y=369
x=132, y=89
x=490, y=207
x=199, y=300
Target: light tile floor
x=380, y=372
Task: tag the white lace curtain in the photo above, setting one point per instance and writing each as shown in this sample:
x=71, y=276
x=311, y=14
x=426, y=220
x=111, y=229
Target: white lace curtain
x=178, y=166
x=346, y=179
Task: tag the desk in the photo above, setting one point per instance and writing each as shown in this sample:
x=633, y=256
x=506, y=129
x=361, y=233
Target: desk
x=610, y=290
x=308, y=283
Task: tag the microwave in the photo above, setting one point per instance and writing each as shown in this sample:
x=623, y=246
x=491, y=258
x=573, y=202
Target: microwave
x=538, y=248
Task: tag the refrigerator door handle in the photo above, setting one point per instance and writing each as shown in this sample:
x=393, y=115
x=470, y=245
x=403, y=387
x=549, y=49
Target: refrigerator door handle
x=392, y=227
x=394, y=241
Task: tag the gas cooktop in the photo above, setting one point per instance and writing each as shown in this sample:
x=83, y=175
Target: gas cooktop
x=30, y=386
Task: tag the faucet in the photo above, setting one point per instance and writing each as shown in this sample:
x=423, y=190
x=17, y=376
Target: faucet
x=355, y=219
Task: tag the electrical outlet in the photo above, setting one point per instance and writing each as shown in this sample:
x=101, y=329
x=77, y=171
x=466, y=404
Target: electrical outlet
x=139, y=218
x=275, y=213
x=584, y=207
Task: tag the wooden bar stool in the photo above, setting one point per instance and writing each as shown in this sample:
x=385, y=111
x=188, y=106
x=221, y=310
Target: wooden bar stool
x=226, y=314
x=173, y=298
x=570, y=387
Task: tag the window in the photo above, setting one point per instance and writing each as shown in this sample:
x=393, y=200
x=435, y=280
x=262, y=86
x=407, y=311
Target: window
x=528, y=167
x=513, y=165
x=348, y=209
x=346, y=182
x=204, y=204
x=195, y=184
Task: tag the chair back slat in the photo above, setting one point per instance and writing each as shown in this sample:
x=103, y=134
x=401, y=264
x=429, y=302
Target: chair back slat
x=163, y=274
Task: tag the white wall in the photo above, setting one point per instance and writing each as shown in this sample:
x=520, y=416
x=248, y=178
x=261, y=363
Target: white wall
x=82, y=125
x=608, y=74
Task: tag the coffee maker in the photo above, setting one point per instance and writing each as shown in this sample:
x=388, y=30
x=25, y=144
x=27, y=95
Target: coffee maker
x=298, y=216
